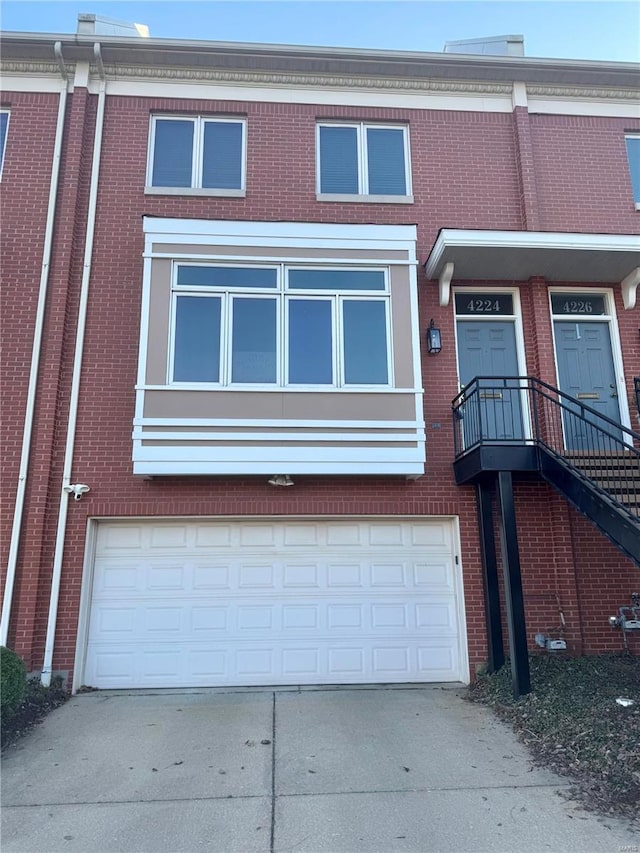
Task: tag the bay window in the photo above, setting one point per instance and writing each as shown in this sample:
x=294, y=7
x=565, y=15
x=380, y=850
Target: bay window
x=280, y=325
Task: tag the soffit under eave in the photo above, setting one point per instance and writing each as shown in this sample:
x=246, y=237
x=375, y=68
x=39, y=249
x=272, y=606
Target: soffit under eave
x=574, y=260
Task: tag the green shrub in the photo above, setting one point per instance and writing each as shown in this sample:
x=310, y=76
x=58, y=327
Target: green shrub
x=13, y=680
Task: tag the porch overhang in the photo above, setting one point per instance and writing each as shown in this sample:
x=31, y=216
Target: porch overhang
x=506, y=256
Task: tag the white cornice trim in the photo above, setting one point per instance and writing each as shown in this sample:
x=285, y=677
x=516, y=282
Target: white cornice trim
x=8, y=66
x=270, y=79
x=590, y=94
x=121, y=72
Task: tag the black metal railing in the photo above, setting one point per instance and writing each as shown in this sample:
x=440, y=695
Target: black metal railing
x=516, y=410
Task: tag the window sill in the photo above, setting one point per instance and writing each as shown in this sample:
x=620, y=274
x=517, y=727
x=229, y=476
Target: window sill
x=365, y=199
x=194, y=191
x=281, y=389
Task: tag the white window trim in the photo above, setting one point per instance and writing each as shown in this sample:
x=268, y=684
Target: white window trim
x=172, y=341
x=283, y=294
x=269, y=239
x=359, y=297
x=274, y=295
x=516, y=319
x=195, y=191
x=363, y=195
x=293, y=235
x=196, y=187
x=636, y=201
x=6, y=112
x=609, y=317
x=335, y=339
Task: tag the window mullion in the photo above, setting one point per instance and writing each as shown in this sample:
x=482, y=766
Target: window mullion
x=198, y=145
x=363, y=175
x=282, y=328
x=172, y=337
x=225, y=339
x=407, y=162
x=339, y=341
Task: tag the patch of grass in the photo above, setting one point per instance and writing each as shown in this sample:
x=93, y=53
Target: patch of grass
x=37, y=702
x=573, y=725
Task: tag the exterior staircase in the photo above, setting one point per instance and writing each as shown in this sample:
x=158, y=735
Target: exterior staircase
x=601, y=480
x=616, y=474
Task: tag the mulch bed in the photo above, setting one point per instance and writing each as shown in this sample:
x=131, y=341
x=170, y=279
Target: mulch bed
x=573, y=725
x=37, y=703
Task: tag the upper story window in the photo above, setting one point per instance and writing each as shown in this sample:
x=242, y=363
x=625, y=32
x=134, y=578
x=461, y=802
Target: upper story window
x=633, y=155
x=280, y=325
x=201, y=154
x=366, y=162
x=4, y=127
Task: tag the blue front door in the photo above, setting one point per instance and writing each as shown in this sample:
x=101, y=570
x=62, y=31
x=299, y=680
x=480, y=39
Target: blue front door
x=488, y=348
x=585, y=371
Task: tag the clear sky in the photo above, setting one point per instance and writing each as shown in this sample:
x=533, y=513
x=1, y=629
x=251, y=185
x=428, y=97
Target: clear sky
x=570, y=29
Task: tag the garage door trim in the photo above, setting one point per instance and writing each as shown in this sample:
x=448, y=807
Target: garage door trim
x=90, y=562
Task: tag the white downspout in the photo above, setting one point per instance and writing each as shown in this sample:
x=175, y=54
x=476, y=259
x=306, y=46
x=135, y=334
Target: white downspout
x=35, y=355
x=75, y=382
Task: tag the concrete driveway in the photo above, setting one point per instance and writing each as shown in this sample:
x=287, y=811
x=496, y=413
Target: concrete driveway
x=346, y=769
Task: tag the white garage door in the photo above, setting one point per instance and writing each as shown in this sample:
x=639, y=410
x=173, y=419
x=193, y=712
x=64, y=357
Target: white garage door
x=205, y=603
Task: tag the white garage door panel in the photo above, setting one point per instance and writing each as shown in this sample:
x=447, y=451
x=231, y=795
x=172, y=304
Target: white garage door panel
x=324, y=662
x=229, y=603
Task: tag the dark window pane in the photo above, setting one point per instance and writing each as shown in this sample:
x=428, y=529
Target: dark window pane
x=197, y=340
x=253, y=357
x=365, y=343
x=470, y=302
x=193, y=276
x=172, y=154
x=337, y=279
x=338, y=160
x=577, y=303
x=385, y=157
x=222, y=156
x=4, y=122
x=633, y=154
x=310, y=342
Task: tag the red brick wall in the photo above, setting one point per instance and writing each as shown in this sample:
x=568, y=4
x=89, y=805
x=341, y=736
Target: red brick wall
x=47, y=445
x=605, y=582
x=582, y=174
x=26, y=180
x=465, y=174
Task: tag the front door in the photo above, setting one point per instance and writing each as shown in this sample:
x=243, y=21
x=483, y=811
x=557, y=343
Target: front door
x=488, y=348
x=586, y=372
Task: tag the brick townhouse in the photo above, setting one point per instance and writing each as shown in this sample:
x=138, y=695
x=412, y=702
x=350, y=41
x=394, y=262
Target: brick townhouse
x=318, y=364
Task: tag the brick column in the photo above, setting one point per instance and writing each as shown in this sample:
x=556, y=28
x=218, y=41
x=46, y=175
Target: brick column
x=525, y=165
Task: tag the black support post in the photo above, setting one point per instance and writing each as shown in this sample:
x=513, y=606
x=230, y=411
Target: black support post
x=513, y=587
x=495, y=642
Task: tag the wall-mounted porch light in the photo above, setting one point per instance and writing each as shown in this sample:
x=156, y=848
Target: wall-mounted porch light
x=434, y=340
